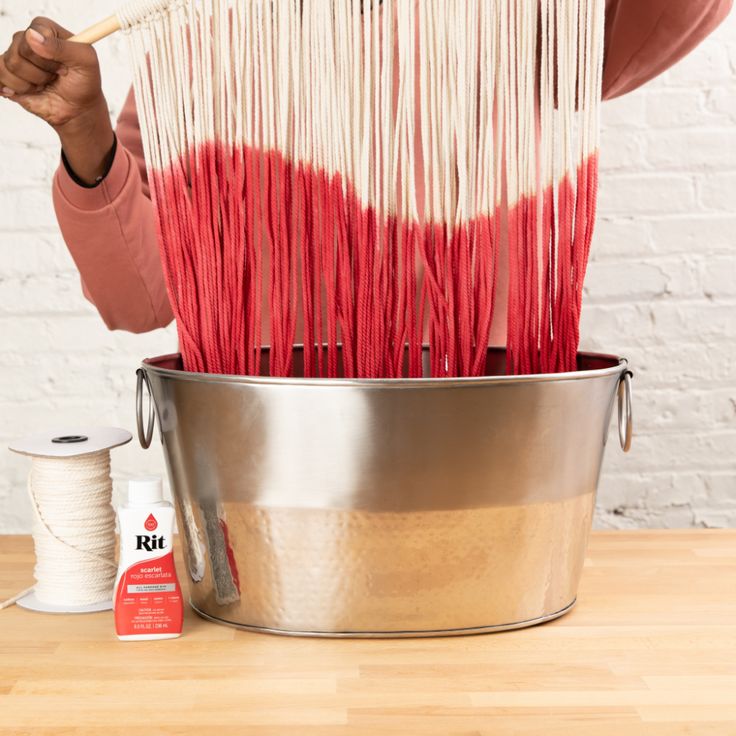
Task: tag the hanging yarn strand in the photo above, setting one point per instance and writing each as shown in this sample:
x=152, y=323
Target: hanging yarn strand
x=354, y=175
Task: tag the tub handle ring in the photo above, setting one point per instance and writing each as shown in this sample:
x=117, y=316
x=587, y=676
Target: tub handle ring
x=625, y=414
x=144, y=435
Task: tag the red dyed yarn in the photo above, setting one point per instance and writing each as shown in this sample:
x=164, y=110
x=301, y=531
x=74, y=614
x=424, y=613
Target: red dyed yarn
x=364, y=282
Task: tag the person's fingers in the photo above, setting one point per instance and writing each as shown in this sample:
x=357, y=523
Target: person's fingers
x=40, y=23
x=29, y=73
x=19, y=73
x=25, y=69
x=24, y=50
x=10, y=84
x=54, y=47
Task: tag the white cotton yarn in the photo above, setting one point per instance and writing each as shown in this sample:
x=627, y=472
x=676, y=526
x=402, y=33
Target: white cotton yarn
x=70, y=489
x=74, y=529
x=137, y=11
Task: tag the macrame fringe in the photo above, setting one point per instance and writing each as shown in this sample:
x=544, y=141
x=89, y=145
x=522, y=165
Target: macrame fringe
x=353, y=174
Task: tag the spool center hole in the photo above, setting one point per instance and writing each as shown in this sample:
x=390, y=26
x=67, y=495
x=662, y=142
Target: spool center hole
x=70, y=439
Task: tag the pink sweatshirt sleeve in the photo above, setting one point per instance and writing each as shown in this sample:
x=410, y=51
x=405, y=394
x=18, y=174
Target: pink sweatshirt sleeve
x=646, y=37
x=110, y=229
x=111, y=235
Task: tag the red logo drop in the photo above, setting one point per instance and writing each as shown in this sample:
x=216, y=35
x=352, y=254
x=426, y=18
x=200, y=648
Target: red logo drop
x=151, y=523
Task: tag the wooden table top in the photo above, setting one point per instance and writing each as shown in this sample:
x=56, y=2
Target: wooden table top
x=649, y=649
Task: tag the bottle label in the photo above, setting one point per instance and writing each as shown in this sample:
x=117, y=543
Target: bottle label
x=148, y=598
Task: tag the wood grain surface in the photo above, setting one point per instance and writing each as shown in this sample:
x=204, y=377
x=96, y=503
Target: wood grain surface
x=649, y=649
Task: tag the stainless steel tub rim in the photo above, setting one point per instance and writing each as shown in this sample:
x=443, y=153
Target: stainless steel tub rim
x=614, y=367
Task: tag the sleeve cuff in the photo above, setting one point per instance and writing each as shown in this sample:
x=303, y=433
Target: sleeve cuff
x=101, y=195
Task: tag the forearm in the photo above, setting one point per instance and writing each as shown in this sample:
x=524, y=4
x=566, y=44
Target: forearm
x=88, y=143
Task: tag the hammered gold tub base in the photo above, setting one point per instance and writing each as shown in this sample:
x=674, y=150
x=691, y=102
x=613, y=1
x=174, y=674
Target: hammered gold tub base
x=333, y=571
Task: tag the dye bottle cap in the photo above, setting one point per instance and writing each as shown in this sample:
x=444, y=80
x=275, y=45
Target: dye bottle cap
x=145, y=491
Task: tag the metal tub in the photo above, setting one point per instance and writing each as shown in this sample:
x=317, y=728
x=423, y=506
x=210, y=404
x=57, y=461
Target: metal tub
x=409, y=507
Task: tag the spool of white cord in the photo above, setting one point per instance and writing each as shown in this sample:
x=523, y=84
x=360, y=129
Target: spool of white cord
x=74, y=522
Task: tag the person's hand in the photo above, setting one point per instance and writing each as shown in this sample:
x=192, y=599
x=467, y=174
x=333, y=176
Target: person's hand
x=49, y=76
x=59, y=81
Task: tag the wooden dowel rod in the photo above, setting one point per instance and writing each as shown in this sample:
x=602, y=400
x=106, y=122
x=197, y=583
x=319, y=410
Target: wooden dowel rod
x=97, y=32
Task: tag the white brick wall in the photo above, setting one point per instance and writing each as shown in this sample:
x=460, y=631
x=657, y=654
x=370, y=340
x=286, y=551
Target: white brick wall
x=661, y=290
